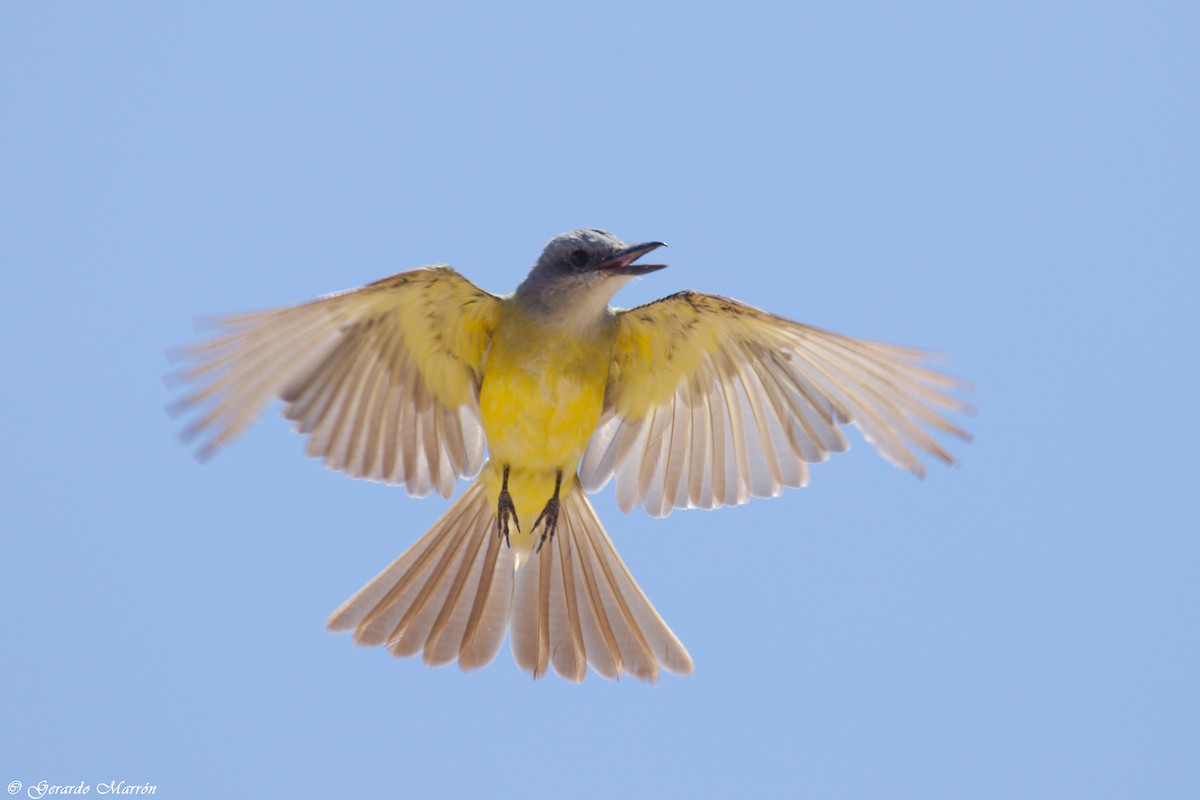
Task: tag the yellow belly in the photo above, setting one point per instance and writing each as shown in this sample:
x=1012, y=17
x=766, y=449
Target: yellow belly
x=541, y=397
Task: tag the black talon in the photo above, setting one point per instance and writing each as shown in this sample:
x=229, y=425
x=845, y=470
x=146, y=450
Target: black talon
x=549, y=514
x=506, y=511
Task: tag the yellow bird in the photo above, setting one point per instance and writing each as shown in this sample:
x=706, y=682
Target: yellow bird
x=692, y=401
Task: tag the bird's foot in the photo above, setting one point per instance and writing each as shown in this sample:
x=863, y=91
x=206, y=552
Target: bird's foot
x=506, y=512
x=548, y=519
x=549, y=516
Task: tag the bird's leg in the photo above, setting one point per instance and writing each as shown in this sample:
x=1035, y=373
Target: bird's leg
x=549, y=514
x=506, y=511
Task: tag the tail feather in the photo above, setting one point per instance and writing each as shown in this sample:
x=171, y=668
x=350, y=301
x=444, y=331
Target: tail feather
x=439, y=597
x=447, y=635
x=577, y=604
x=488, y=621
x=453, y=595
x=449, y=595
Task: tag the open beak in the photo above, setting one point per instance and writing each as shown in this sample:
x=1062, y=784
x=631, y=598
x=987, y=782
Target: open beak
x=622, y=262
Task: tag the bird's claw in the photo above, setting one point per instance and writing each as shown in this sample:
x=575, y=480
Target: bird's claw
x=505, y=512
x=549, y=516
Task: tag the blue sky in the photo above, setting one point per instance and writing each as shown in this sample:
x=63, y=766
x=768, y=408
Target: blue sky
x=1015, y=184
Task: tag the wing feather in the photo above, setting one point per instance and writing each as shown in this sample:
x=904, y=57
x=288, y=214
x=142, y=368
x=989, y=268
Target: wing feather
x=383, y=379
x=739, y=474
x=369, y=430
x=711, y=401
x=719, y=418
x=452, y=440
x=698, y=485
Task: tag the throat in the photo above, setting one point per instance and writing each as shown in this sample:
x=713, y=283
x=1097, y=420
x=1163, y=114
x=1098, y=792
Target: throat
x=575, y=308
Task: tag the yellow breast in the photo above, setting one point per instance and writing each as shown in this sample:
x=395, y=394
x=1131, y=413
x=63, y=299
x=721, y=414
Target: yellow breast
x=542, y=393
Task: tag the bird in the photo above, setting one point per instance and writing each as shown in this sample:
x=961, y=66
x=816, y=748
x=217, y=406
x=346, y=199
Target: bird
x=537, y=398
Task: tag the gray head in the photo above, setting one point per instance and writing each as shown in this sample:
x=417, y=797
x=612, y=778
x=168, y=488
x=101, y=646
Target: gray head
x=579, y=272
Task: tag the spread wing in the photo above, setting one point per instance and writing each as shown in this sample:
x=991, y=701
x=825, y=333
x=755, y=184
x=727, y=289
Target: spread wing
x=711, y=401
x=384, y=379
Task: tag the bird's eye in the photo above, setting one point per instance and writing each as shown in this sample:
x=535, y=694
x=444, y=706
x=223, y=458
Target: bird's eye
x=579, y=258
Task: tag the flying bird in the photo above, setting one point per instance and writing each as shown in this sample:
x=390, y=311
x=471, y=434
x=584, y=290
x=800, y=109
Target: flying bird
x=692, y=401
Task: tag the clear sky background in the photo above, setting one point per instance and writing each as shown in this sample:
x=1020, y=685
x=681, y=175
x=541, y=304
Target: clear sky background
x=1016, y=184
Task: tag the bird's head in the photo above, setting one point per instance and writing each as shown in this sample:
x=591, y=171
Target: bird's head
x=591, y=252
x=579, y=272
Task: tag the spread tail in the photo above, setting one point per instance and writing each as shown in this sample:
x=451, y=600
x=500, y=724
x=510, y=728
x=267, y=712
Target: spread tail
x=453, y=594
x=448, y=596
x=576, y=604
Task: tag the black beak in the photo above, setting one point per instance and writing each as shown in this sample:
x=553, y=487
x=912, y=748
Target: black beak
x=622, y=262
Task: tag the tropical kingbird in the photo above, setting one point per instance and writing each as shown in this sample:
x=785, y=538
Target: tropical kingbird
x=692, y=401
